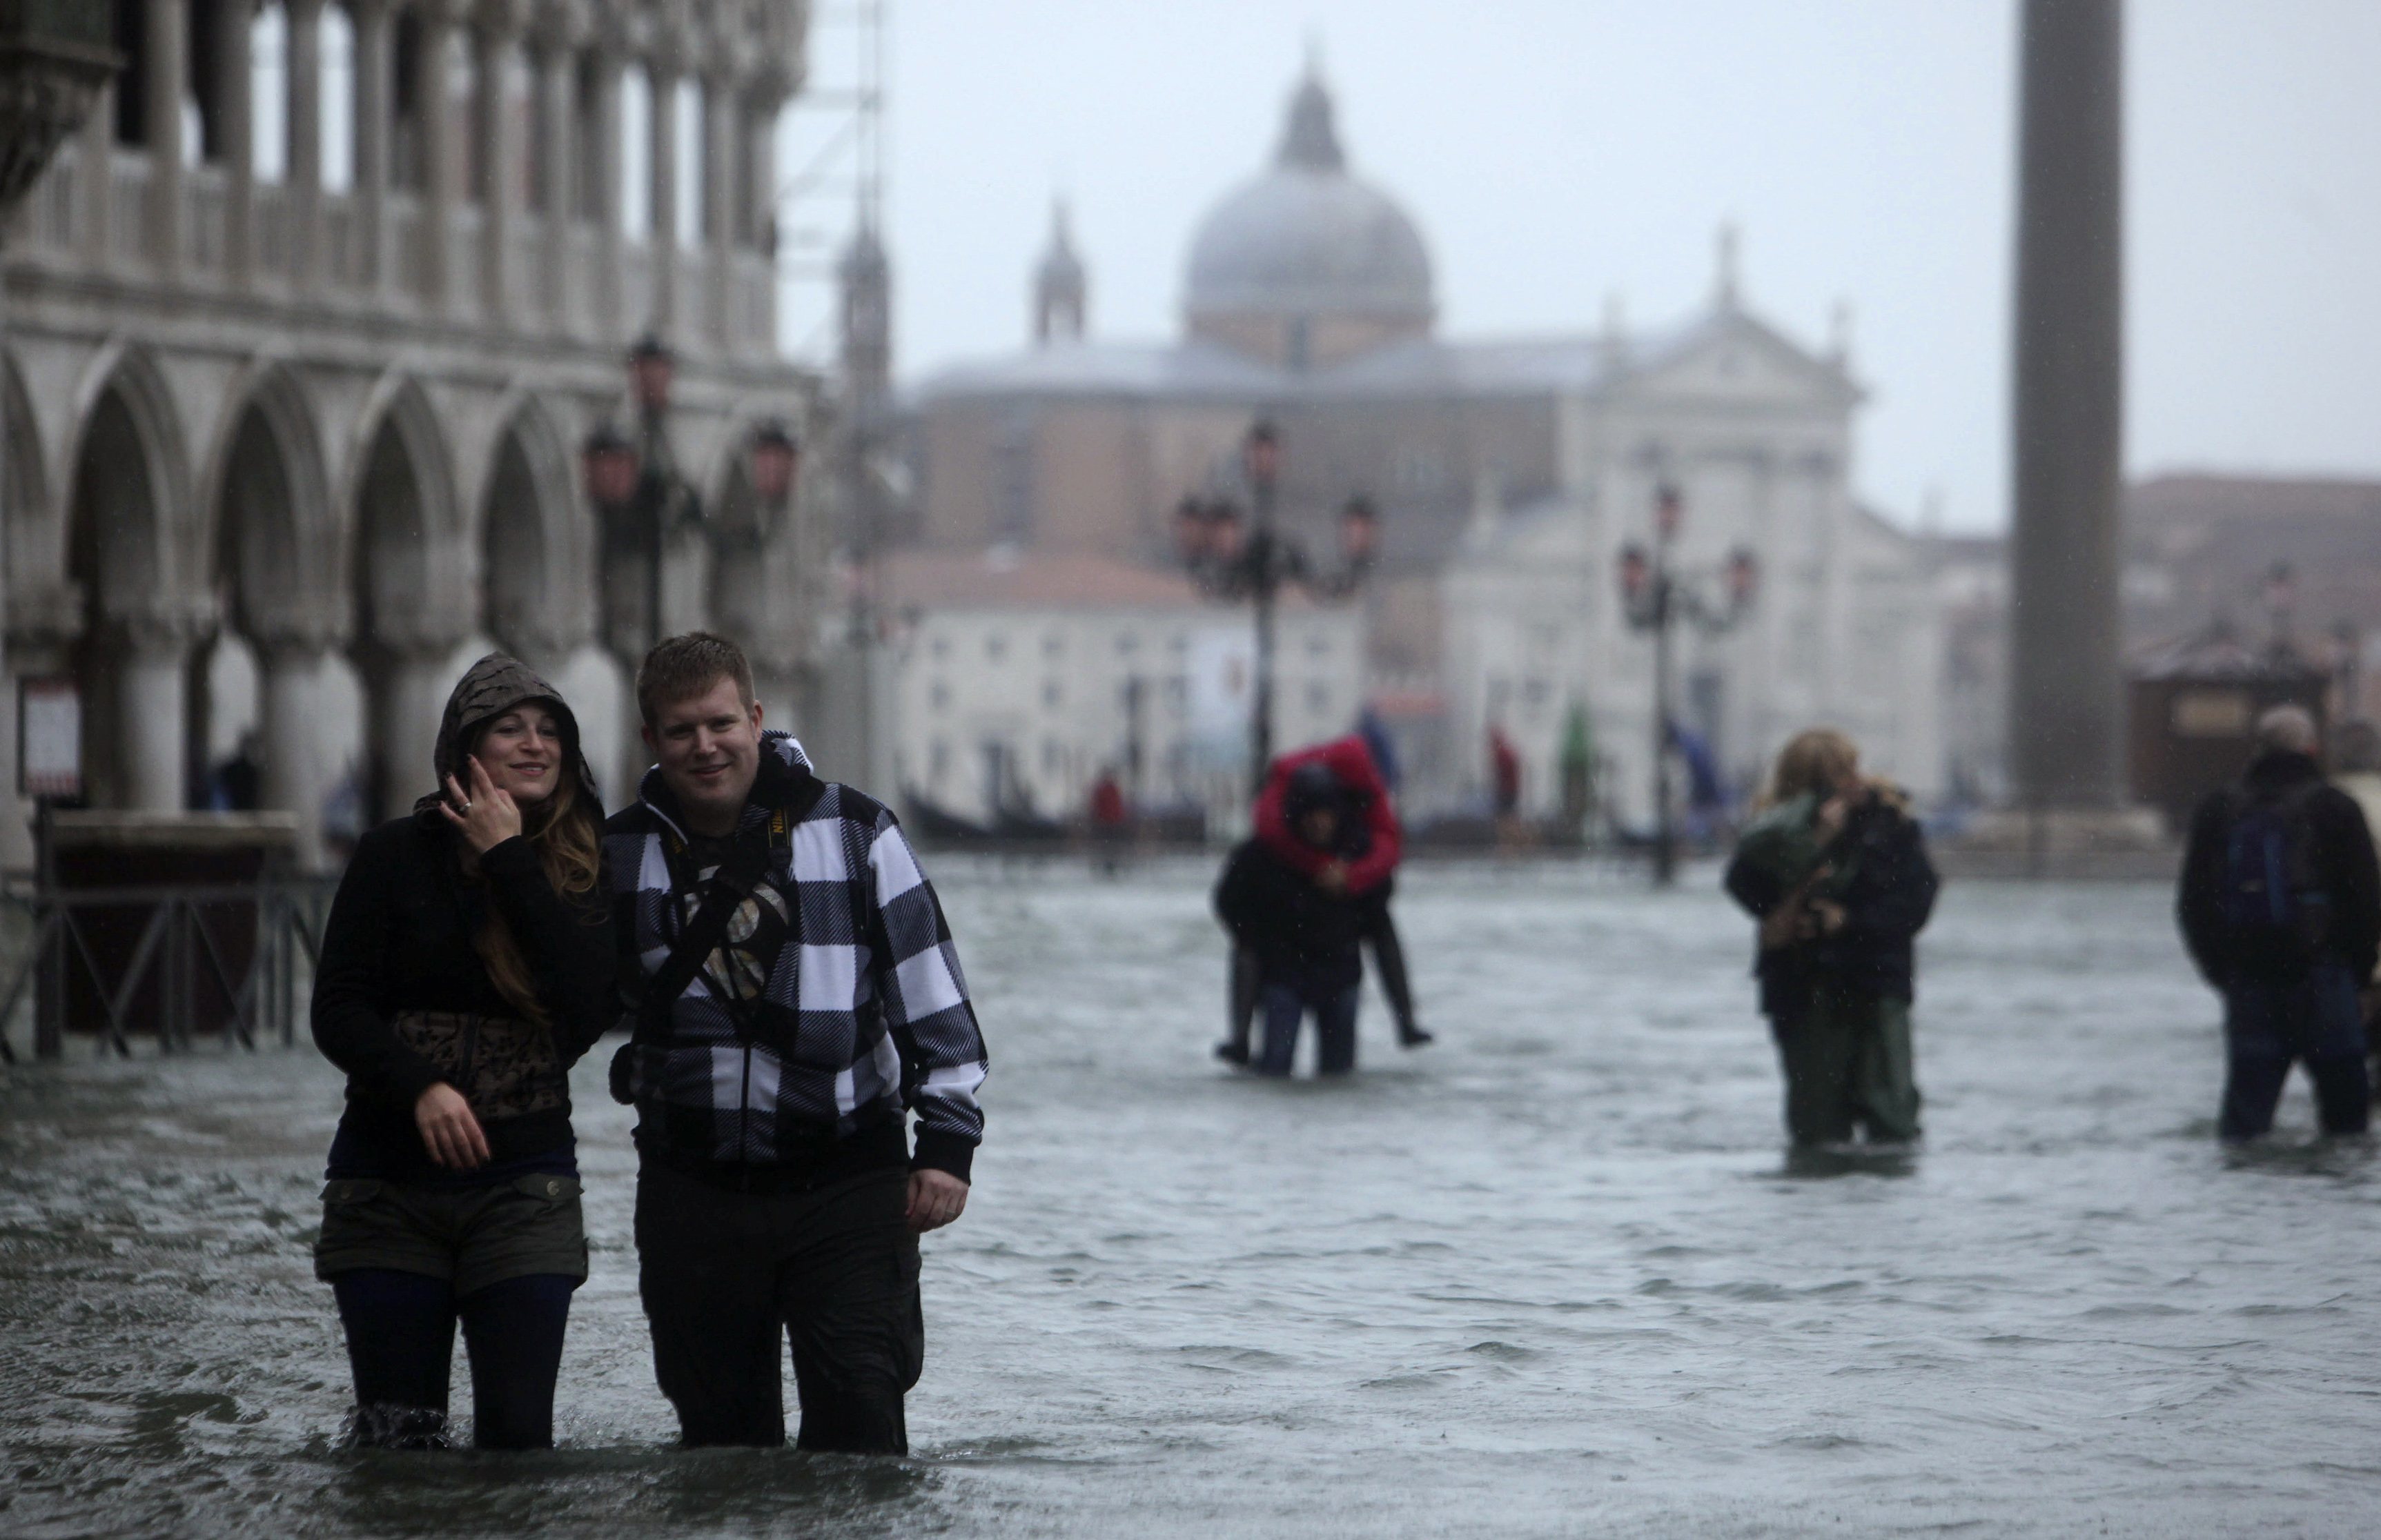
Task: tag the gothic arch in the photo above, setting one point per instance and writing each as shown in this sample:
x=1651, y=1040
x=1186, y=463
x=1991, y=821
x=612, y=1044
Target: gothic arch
x=271, y=521
x=131, y=489
x=28, y=489
x=408, y=553
x=536, y=552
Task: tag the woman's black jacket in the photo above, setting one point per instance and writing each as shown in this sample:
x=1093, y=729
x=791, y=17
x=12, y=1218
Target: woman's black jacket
x=399, y=939
x=1887, y=902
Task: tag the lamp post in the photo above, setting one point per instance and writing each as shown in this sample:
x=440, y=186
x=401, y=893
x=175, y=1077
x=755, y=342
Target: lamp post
x=635, y=484
x=1232, y=562
x=1654, y=597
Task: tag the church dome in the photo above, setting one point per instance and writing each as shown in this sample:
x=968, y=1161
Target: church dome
x=1306, y=244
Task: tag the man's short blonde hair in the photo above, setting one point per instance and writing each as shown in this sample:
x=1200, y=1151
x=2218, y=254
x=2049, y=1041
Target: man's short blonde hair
x=2287, y=730
x=682, y=667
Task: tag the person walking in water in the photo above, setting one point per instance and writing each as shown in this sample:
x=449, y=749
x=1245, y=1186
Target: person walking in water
x=1836, y=871
x=464, y=969
x=1361, y=864
x=1301, y=931
x=794, y=993
x=2280, y=906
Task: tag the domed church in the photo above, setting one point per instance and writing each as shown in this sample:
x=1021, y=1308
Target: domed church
x=1510, y=474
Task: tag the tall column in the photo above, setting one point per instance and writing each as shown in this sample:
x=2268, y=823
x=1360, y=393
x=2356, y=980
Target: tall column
x=297, y=768
x=760, y=193
x=152, y=705
x=308, y=254
x=233, y=67
x=662, y=120
x=375, y=95
x=720, y=113
x=439, y=149
x=603, y=164
x=499, y=155
x=2066, y=709
x=552, y=62
x=163, y=71
x=96, y=152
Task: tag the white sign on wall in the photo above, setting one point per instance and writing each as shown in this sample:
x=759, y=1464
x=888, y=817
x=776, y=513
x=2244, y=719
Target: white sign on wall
x=49, y=738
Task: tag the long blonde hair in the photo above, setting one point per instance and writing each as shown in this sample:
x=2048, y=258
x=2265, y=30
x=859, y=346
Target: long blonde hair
x=1811, y=764
x=566, y=835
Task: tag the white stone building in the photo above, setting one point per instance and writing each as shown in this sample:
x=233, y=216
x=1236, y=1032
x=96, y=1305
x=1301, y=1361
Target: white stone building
x=303, y=333
x=1019, y=678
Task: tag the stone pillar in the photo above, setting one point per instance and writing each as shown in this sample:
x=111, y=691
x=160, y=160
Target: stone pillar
x=233, y=67
x=553, y=66
x=439, y=149
x=309, y=257
x=409, y=685
x=602, y=163
x=96, y=152
x=153, y=705
x=719, y=193
x=499, y=151
x=663, y=71
x=297, y=771
x=2066, y=706
x=162, y=73
x=374, y=32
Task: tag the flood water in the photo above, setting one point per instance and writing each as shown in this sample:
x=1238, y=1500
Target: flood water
x=1551, y=1276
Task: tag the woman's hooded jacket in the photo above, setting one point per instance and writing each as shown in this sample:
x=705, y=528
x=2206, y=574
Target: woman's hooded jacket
x=403, y=997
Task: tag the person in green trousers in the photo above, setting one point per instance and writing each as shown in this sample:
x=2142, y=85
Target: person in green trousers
x=1834, y=869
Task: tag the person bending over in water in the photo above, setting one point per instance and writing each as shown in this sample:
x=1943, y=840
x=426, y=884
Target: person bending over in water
x=1361, y=862
x=466, y=966
x=1301, y=933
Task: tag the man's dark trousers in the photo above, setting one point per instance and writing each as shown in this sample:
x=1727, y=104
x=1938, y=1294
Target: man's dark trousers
x=835, y=1270
x=2270, y=1023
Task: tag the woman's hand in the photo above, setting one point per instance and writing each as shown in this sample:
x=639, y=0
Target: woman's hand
x=486, y=816
x=448, y=1130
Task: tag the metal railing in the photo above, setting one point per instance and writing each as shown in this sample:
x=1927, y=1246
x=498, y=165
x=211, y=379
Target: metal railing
x=189, y=948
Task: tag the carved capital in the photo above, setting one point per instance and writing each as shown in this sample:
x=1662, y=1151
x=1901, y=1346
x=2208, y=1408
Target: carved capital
x=42, y=624
x=164, y=626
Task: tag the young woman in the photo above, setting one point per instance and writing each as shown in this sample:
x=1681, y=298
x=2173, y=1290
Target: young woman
x=467, y=965
x=1836, y=871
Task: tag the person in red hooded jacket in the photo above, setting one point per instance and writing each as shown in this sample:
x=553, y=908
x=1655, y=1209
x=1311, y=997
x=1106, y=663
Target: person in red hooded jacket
x=1362, y=864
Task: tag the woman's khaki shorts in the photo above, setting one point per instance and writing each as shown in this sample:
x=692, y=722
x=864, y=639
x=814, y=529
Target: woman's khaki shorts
x=470, y=1236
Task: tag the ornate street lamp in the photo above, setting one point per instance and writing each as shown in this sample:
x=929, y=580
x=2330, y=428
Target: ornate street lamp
x=1232, y=559
x=1653, y=598
x=636, y=486
x=776, y=458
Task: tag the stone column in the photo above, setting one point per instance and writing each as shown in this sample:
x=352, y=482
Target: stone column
x=375, y=30
x=233, y=67
x=719, y=192
x=760, y=193
x=2066, y=709
x=409, y=685
x=603, y=164
x=554, y=64
x=664, y=73
x=297, y=771
x=96, y=152
x=152, y=705
x=163, y=72
x=309, y=257
x=439, y=149
x=499, y=152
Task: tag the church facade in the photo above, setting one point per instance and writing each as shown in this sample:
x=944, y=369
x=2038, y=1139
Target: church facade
x=1511, y=475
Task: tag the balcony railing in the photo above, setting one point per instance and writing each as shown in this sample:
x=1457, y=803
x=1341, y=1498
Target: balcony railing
x=56, y=225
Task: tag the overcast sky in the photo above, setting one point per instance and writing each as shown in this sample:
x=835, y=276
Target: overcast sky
x=1557, y=151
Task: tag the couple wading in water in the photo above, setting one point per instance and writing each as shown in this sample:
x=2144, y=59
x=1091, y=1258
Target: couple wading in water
x=793, y=996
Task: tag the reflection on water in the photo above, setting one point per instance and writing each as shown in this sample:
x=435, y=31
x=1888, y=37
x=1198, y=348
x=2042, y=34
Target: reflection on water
x=1554, y=1276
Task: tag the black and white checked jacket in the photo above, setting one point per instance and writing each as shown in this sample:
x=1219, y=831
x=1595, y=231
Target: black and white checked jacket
x=860, y=1012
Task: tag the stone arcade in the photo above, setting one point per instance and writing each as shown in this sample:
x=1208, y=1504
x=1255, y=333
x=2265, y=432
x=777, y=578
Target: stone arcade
x=304, y=330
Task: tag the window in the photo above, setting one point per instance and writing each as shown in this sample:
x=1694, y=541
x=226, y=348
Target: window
x=940, y=695
x=1054, y=644
x=1050, y=694
x=940, y=647
x=1127, y=643
x=995, y=645
x=1318, y=699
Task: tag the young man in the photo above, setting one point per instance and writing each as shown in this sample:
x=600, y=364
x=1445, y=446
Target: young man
x=794, y=993
x=1301, y=933
x=2280, y=906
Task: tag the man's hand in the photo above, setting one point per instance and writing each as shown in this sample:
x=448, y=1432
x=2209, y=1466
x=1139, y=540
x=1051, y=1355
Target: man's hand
x=1333, y=878
x=935, y=1199
x=448, y=1130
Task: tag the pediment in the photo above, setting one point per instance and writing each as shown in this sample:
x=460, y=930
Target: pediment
x=1732, y=357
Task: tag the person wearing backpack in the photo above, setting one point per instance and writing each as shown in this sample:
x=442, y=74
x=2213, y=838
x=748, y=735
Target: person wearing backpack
x=793, y=993
x=2280, y=906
